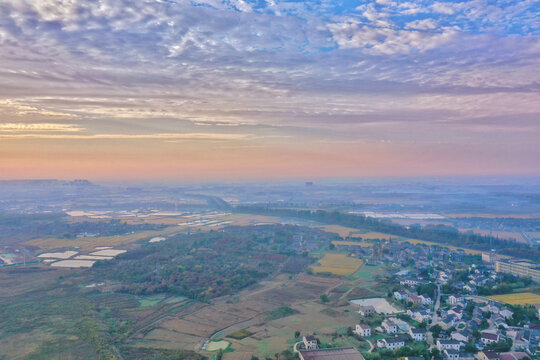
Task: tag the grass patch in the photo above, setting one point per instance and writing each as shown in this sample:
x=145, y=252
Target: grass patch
x=279, y=313
x=217, y=345
x=240, y=334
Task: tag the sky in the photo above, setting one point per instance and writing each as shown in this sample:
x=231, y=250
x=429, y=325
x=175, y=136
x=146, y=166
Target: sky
x=268, y=89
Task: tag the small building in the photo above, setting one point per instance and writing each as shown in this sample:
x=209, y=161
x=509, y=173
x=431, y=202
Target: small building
x=455, y=299
x=389, y=326
x=346, y=353
x=368, y=310
x=418, y=334
x=450, y=354
x=462, y=336
x=448, y=344
x=400, y=295
x=489, y=338
x=363, y=330
x=416, y=299
x=391, y=343
x=488, y=355
x=310, y=342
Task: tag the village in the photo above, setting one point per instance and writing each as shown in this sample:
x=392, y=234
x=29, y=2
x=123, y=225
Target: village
x=442, y=306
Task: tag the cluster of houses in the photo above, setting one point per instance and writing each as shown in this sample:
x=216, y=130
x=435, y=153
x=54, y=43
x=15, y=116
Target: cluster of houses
x=469, y=326
x=477, y=326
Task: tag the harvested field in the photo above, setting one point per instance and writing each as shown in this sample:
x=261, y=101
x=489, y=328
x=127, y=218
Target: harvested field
x=382, y=306
x=518, y=298
x=342, y=231
x=376, y=235
x=73, y=263
x=91, y=257
x=89, y=243
x=467, y=251
x=108, y=252
x=352, y=243
x=337, y=264
x=58, y=255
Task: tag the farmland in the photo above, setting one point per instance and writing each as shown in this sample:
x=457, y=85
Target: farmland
x=337, y=264
x=373, y=235
x=525, y=298
x=352, y=243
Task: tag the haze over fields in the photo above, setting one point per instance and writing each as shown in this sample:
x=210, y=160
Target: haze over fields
x=239, y=89
x=269, y=179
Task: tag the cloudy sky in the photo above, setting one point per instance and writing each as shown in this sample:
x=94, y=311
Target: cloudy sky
x=249, y=89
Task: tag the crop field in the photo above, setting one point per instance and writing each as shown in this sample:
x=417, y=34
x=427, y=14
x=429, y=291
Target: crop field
x=342, y=231
x=467, y=251
x=248, y=219
x=217, y=345
x=274, y=336
x=337, y=264
x=90, y=243
x=501, y=234
x=373, y=235
x=526, y=298
x=352, y=243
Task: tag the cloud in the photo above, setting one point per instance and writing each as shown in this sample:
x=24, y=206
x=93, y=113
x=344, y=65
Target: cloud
x=424, y=24
x=187, y=136
x=33, y=127
x=297, y=68
x=388, y=41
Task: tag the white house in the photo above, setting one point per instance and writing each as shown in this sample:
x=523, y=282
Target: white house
x=310, y=342
x=420, y=315
x=391, y=343
x=451, y=354
x=454, y=299
x=488, y=338
x=418, y=334
x=389, y=326
x=447, y=344
x=400, y=295
x=363, y=330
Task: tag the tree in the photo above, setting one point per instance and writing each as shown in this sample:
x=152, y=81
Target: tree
x=324, y=298
x=471, y=348
x=350, y=331
x=436, y=330
x=436, y=354
x=253, y=357
x=297, y=334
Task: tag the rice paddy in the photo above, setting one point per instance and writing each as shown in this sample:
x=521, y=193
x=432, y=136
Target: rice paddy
x=525, y=298
x=337, y=264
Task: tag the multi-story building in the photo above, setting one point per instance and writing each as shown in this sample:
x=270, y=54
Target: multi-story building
x=518, y=268
x=363, y=330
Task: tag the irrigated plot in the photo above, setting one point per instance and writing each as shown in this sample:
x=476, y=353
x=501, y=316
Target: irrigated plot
x=518, y=298
x=337, y=264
